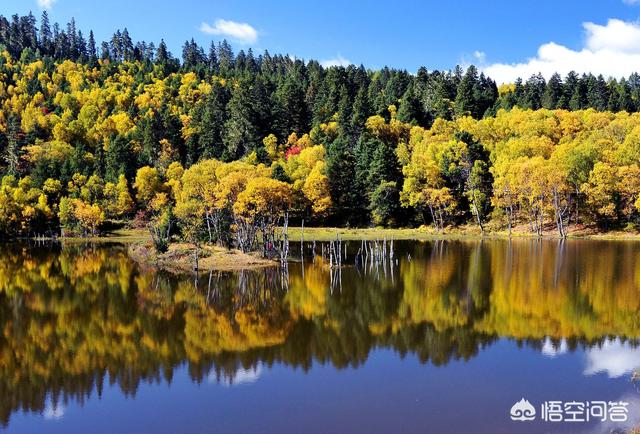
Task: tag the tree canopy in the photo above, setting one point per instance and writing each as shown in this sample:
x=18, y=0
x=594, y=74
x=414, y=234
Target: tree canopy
x=118, y=124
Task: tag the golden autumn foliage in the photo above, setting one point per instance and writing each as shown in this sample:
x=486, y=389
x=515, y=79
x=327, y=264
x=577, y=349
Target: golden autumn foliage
x=543, y=163
x=539, y=167
x=147, y=184
x=77, y=214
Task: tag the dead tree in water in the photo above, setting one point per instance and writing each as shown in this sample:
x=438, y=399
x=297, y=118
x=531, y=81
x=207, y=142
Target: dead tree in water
x=283, y=250
x=375, y=253
x=335, y=253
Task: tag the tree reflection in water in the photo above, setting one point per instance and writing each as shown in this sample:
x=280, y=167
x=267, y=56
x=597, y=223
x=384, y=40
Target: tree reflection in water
x=76, y=317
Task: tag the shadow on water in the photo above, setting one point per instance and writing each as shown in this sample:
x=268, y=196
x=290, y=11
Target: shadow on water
x=76, y=318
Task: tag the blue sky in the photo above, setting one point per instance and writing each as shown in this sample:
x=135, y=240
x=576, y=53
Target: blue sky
x=402, y=33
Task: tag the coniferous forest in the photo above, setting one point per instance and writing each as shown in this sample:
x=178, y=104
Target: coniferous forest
x=216, y=139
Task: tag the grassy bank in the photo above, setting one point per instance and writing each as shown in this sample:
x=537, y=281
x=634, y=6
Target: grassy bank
x=115, y=236
x=179, y=258
x=422, y=233
x=462, y=232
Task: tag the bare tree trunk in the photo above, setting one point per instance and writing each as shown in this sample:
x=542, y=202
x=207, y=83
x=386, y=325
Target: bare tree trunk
x=433, y=216
x=558, y=214
x=478, y=216
x=196, y=258
x=208, y=219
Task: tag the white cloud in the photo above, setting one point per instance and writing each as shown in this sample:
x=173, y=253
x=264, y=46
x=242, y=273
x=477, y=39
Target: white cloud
x=631, y=2
x=612, y=50
x=46, y=4
x=614, y=358
x=337, y=61
x=617, y=35
x=481, y=56
x=240, y=32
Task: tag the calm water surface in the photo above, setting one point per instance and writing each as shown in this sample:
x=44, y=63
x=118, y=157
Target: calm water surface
x=445, y=338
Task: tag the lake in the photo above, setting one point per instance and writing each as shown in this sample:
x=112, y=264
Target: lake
x=445, y=337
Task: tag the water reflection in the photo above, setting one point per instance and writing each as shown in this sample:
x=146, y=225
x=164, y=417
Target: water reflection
x=613, y=357
x=74, y=319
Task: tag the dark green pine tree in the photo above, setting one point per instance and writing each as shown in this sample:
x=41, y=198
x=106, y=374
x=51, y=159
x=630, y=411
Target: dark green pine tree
x=345, y=114
x=517, y=97
x=329, y=95
x=384, y=165
x=410, y=110
x=315, y=80
x=240, y=63
x=385, y=205
x=192, y=143
x=552, y=92
x=29, y=32
x=375, y=164
x=127, y=45
x=486, y=93
x=151, y=131
x=384, y=177
x=360, y=111
x=363, y=152
x=46, y=43
x=119, y=159
x=376, y=91
x=77, y=163
x=225, y=58
x=534, y=89
x=241, y=133
x=439, y=96
x=476, y=175
x=597, y=93
x=347, y=199
x=571, y=83
x=396, y=88
x=214, y=116
x=262, y=104
x=164, y=58
x=568, y=88
x=192, y=55
x=91, y=49
x=279, y=173
x=578, y=99
x=290, y=111
x=465, y=103
x=625, y=101
x=162, y=54
x=613, y=105
x=634, y=89
x=172, y=131
x=251, y=65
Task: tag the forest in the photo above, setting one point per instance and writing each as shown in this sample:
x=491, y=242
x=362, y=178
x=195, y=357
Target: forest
x=223, y=147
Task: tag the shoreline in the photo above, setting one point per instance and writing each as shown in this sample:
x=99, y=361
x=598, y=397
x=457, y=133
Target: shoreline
x=322, y=234
x=179, y=258
x=461, y=233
